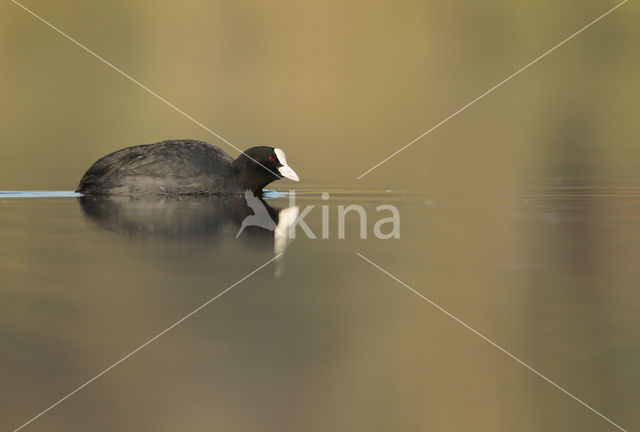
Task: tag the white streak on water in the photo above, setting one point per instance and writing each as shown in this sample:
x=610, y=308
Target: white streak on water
x=270, y=194
x=39, y=194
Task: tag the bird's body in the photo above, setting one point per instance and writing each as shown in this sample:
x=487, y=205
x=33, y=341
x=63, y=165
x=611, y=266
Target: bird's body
x=183, y=167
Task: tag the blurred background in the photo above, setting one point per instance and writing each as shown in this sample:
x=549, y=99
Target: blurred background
x=521, y=216
x=339, y=85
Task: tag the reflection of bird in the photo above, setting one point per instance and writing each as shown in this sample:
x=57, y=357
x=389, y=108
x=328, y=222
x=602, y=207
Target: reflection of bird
x=260, y=217
x=286, y=219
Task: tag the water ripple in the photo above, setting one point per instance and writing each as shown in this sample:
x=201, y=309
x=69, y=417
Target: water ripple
x=39, y=194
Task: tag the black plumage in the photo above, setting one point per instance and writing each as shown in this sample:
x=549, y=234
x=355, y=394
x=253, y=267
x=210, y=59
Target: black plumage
x=184, y=167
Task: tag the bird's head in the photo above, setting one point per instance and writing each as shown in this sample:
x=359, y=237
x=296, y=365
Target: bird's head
x=258, y=166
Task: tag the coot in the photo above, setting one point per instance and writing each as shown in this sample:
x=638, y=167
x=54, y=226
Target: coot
x=184, y=167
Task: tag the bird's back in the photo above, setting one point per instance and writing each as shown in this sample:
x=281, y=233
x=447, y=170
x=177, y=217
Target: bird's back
x=167, y=167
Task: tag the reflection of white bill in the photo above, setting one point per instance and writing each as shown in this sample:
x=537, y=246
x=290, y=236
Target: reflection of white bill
x=286, y=218
x=261, y=218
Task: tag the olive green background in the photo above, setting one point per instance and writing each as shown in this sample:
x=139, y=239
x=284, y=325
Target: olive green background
x=520, y=216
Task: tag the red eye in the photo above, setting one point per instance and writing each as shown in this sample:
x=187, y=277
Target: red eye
x=271, y=159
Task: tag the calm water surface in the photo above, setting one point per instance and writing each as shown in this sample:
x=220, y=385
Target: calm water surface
x=320, y=339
